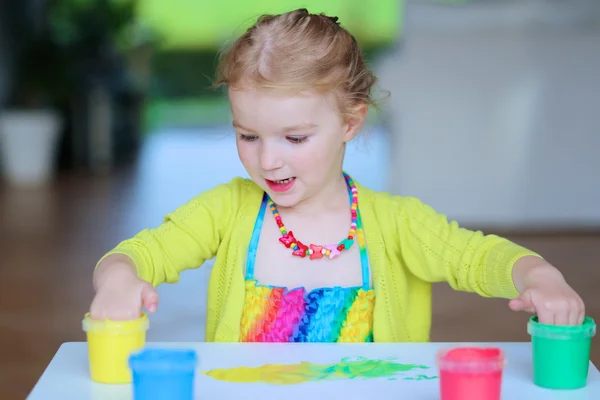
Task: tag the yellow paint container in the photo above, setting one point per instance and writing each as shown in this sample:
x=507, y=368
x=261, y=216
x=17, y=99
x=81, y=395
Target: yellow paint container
x=110, y=344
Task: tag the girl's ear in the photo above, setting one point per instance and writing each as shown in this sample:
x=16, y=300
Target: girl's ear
x=355, y=121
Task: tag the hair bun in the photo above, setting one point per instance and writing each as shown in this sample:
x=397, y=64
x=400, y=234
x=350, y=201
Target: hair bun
x=334, y=20
x=296, y=51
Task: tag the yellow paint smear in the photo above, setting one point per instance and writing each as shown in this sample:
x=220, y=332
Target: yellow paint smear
x=289, y=374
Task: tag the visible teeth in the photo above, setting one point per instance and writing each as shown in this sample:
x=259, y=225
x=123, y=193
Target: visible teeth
x=284, y=181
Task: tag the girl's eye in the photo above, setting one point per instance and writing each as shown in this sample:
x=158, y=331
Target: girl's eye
x=248, y=138
x=297, y=139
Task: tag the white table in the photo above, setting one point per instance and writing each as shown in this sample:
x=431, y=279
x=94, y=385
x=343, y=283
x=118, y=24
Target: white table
x=67, y=376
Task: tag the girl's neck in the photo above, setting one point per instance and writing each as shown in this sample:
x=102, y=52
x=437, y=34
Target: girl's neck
x=334, y=196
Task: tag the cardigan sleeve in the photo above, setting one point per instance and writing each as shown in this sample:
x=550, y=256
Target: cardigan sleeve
x=435, y=249
x=187, y=237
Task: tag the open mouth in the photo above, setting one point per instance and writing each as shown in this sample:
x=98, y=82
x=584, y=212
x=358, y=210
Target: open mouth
x=282, y=185
x=284, y=181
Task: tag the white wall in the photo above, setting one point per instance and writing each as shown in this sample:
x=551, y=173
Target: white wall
x=495, y=112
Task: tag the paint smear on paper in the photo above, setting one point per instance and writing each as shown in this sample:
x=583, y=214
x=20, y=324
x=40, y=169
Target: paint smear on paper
x=347, y=368
x=420, y=378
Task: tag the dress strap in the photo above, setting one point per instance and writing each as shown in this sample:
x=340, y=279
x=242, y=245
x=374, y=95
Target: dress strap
x=364, y=256
x=362, y=246
x=253, y=247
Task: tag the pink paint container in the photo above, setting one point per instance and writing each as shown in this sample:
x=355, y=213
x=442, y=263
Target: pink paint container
x=470, y=373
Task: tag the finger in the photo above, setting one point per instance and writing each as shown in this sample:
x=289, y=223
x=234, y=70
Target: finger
x=150, y=299
x=129, y=315
x=561, y=317
x=96, y=314
x=515, y=305
x=528, y=304
x=580, y=317
x=119, y=315
x=580, y=312
x=573, y=317
x=522, y=303
x=530, y=309
x=574, y=311
x=546, y=317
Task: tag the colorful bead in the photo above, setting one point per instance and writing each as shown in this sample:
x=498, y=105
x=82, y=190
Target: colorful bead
x=287, y=239
x=347, y=243
x=316, y=251
x=332, y=251
x=301, y=250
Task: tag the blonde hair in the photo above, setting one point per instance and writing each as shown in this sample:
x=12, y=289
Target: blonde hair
x=296, y=51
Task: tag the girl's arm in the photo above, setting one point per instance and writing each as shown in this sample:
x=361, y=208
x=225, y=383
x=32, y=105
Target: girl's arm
x=186, y=239
x=435, y=250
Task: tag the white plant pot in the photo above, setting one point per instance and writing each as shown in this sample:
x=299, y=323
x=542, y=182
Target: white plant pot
x=28, y=141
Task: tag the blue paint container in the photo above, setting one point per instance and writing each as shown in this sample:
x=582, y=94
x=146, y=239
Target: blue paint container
x=163, y=374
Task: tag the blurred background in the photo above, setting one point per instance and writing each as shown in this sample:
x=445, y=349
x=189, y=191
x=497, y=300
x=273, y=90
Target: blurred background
x=107, y=123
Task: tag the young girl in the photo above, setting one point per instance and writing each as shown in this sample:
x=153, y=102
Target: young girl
x=303, y=252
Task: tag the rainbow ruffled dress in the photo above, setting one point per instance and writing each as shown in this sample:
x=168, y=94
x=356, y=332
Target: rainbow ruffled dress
x=331, y=314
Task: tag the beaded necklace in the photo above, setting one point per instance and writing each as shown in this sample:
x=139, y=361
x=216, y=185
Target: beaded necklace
x=315, y=251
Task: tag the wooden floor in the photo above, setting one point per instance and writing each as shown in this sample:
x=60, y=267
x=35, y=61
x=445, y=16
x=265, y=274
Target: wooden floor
x=50, y=239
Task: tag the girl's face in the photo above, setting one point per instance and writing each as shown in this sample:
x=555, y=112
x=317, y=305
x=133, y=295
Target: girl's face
x=291, y=146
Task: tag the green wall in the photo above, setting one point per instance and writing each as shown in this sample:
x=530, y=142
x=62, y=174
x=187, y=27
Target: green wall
x=204, y=25
x=192, y=31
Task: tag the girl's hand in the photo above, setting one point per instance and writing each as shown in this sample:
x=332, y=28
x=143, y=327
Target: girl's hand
x=124, y=300
x=120, y=294
x=546, y=293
